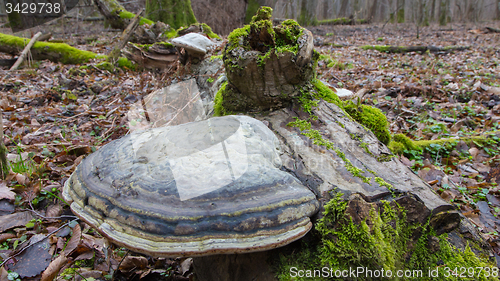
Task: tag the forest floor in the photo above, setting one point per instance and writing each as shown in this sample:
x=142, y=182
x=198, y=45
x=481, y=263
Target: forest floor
x=54, y=115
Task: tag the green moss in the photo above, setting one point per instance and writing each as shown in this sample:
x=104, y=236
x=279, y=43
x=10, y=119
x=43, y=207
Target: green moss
x=370, y=117
x=317, y=139
x=126, y=64
x=62, y=52
x=383, y=183
x=128, y=15
x=264, y=13
x=171, y=33
x=208, y=31
x=385, y=48
x=325, y=93
x=344, y=244
x=219, y=57
x=236, y=35
x=396, y=147
x=106, y=66
x=219, y=109
x=449, y=259
x=383, y=241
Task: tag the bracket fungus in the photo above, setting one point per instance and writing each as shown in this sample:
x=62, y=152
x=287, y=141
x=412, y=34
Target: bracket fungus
x=196, y=189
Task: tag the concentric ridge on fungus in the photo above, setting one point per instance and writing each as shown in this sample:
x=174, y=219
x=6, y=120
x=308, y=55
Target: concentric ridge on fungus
x=200, y=188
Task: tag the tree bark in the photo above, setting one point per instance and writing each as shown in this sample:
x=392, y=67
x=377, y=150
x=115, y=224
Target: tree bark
x=176, y=13
x=420, y=49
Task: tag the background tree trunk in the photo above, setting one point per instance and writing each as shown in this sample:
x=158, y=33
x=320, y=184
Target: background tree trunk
x=175, y=13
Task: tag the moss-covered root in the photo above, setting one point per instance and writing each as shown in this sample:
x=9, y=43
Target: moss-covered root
x=56, y=52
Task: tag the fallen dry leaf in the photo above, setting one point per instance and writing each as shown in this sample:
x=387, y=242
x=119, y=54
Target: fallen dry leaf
x=53, y=269
x=6, y=192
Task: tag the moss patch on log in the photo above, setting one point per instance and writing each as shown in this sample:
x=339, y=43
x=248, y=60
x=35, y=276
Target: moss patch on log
x=64, y=53
x=372, y=118
x=57, y=52
x=381, y=242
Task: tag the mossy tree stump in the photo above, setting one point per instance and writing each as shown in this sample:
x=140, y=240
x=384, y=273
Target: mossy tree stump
x=267, y=66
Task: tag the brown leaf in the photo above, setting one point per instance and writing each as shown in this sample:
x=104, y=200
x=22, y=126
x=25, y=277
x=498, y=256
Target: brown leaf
x=133, y=262
x=186, y=265
x=6, y=192
x=53, y=269
x=14, y=220
x=74, y=241
x=5, y=236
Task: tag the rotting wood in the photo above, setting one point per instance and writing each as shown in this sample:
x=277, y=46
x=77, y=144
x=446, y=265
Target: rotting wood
x=156, y=56
x=26, y=51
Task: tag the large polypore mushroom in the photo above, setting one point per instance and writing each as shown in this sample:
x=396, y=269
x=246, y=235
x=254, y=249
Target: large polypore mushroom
x=196, y=189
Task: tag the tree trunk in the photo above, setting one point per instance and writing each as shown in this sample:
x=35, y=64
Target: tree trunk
x=176, y=13
x=116, y=15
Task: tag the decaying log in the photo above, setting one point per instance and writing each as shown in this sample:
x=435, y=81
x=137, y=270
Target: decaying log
x=419, y=49
x=25, y=51
x=56, y=52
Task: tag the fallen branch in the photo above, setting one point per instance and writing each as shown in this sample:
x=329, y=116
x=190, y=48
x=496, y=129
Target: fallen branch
x=493, y=30
x=25, y=51
x=419, y=49
x=115, y=53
